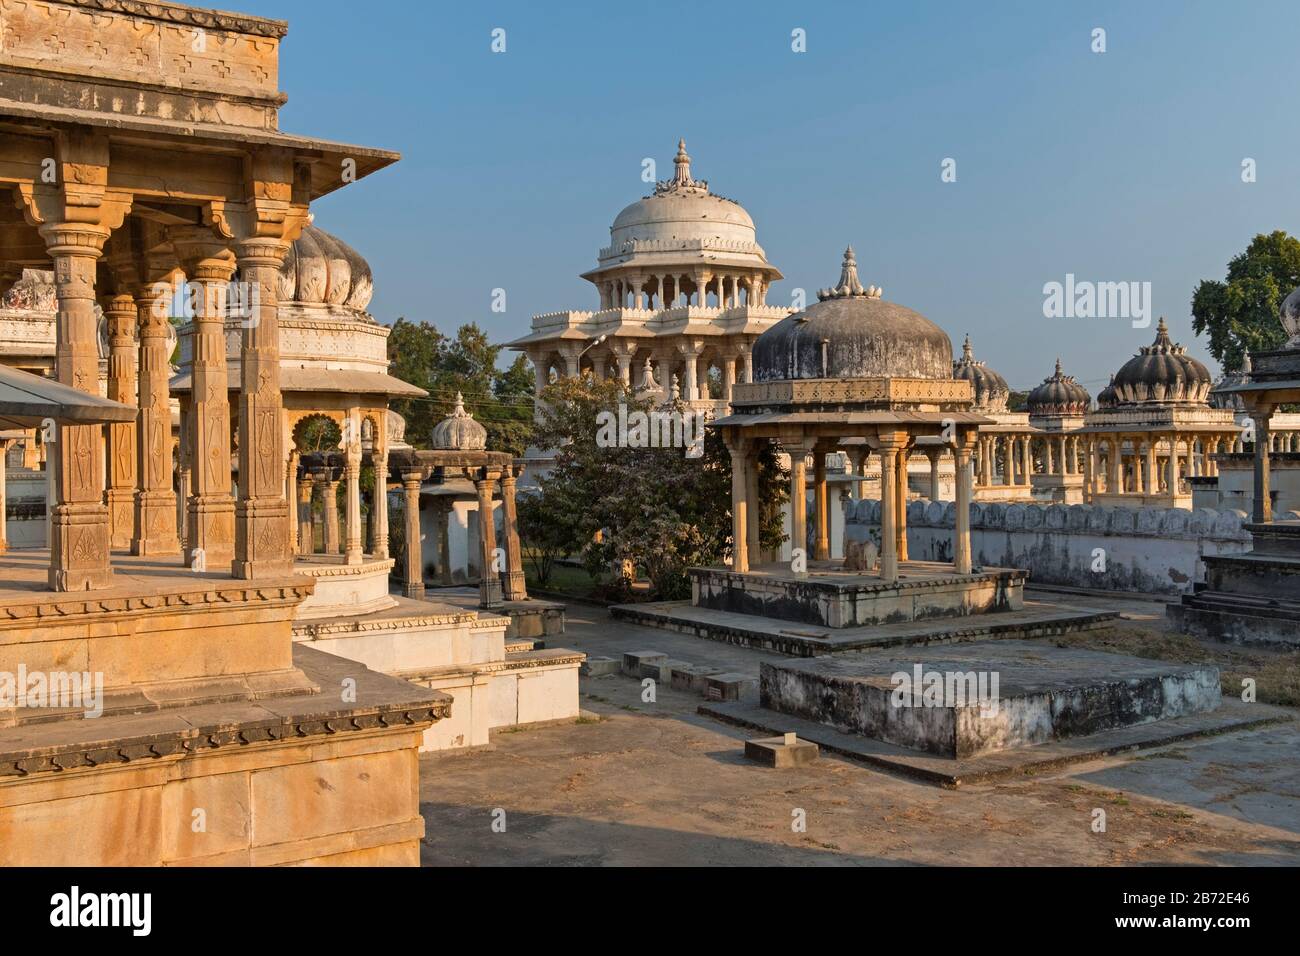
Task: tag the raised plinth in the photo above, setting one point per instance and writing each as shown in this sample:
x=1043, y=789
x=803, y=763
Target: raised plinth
x=832, y=597
x=161, y=635
x=962, y=700
x=1251, y=598
x=344, y=590
x=280, y=780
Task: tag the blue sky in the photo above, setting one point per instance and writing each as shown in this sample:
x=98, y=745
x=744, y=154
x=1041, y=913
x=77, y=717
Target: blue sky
x=1119, y=166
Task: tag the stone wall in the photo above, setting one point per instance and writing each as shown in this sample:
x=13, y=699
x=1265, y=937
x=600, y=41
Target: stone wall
x=1150, y=550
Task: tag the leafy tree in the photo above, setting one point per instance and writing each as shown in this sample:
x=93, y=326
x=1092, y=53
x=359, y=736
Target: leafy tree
x=1241, y=313
x=442, y=366
x=655, y=509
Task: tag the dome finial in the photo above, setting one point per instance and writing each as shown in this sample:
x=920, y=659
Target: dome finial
x=967, y=353
x=849, y=284
x=682, y=165
x=1058, y=366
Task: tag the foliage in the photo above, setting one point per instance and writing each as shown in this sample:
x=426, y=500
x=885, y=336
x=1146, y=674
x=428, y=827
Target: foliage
x=655, y=510
x=500, y=400
x=1241, y=313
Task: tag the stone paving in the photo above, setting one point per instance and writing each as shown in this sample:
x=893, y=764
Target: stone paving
x=640, y=783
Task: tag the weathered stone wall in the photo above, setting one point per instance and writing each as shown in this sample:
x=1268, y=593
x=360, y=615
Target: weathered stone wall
x=1152, y=550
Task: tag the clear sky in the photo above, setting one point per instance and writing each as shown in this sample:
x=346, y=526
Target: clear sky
x=1116, y=166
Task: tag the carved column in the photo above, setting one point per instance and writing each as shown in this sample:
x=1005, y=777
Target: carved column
x=291, y=492
x=753, y=506
x=961, y=550
x=512, y=579
x=306, y=530
x=330, y=507
x=379, y=508
x=936, y=486
x=821, y=531
x=352, y=550
x=4, y=466
x=442, y=518
x=211, y=519
x=889, y=455
x=262, y=545
x=489, y=587
x=413, y=580
x=798, y=499
x=739, y=502
x=900, y=504
x=1262, y=512
x=154, y=527
x=79, y=538
x=120, y=319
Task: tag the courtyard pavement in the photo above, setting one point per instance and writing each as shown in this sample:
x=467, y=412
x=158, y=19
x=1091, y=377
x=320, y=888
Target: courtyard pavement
x=655, y=783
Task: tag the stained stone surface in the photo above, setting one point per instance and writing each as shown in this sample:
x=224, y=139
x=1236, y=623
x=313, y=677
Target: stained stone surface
x=1042, y=694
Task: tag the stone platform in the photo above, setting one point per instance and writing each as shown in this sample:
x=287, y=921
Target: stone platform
x=990, y=696
x=1037, y=618
x=830, y=596
x=532, y=619
x=342, y=588
x=1251, y=598
x=280, y=780
x=1232, y=715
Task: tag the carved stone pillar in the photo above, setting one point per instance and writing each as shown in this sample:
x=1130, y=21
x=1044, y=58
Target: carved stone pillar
x=154, y=521
x=79, y=539
x=330, y=509
x=753, y=506
x=379, y=508
x=262, y=545
x=413, y=579
x=306, y=529
x=900, y=505
x=889, y=455
x=961, y=550
x=798, y=500
x=936, y=486
x=4, y=466
x=442, y=518
x=739, y=502
x=489, y=587
x=352, y=549
x=821, y=530
x=209, y=265
x=291, y=493
x=1262, y=512
x=512, y=578
x=120, y=319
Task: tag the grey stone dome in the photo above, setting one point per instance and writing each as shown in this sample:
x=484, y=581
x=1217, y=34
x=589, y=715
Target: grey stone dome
x=1162, y=373
x=1059, y=394
x=991, y=389
x=458, y=431
x=322, y=269
x=850, y=332
x=1106, y=398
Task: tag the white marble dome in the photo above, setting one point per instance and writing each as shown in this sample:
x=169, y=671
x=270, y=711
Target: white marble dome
x=683, y=217
x=322, y=269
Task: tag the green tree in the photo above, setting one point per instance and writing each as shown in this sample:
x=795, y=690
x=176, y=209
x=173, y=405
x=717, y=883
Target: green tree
x=1241, y=312
x=656, y=509
x=466, y=364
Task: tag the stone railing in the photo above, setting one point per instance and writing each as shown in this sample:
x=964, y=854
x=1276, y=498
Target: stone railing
x=1151, y=550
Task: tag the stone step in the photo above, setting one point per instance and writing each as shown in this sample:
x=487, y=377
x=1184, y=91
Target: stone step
x=1035, y=619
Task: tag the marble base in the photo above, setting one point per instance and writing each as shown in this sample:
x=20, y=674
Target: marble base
x=829, y=596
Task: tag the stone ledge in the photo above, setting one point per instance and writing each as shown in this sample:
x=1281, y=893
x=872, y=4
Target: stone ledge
x=382, y=703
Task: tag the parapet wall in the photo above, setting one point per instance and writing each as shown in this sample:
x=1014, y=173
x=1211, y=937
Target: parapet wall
x=1152, y=550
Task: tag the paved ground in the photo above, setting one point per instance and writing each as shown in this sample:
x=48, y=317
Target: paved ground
x=656, y=784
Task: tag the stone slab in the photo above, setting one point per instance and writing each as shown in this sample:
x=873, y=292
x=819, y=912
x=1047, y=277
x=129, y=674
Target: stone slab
x=728, y=686
x=781, y=752
x=600, y=666
x=830, y=596
x=634, y=660
x=1232, y=715
x=986, y=696
x=1038, y=618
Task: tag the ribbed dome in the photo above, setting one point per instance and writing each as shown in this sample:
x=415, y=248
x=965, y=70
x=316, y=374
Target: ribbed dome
x=1162, y=373
x=850, y=332
x=1290, y=316
x=991, y=389
x=682, y=208
x=321, y=269
x=1107, y=398
x=458, y=431
x=1059, y=394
